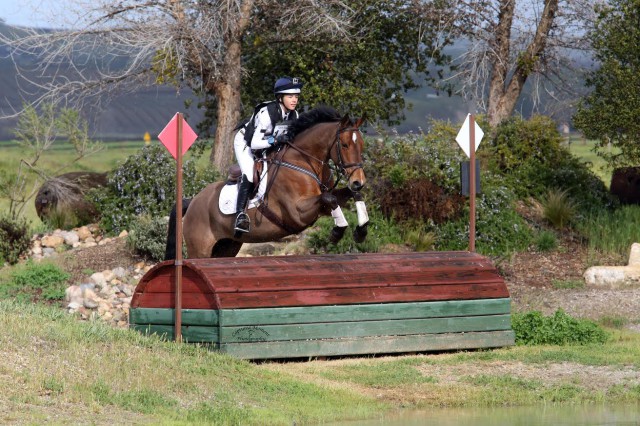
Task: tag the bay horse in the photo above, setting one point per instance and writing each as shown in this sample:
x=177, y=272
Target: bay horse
x=301, y=178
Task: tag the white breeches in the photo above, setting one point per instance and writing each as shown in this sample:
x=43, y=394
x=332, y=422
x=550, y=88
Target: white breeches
x=244, y=155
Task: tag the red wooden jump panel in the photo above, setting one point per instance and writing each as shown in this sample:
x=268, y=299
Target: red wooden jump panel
x=319, y=280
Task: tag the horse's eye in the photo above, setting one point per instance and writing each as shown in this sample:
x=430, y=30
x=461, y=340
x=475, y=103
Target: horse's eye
x=345, y=145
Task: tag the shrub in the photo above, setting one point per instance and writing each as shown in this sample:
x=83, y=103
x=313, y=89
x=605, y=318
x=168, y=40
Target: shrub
x=14, y=239
x=499, y=228
x=416, y=176
x=533, y=328
x=148, y=236
x=546, y=241
x=381, y=231
x=530, y=157
x=144, y=184
x=36, y=281
x=557, y=208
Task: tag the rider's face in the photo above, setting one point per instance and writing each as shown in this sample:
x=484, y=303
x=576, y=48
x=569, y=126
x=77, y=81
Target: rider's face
x=290, y=101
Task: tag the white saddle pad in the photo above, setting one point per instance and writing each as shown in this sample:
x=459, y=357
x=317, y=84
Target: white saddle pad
x=229, y=195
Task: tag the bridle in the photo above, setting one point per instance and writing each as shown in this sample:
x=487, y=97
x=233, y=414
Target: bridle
x=340, y=166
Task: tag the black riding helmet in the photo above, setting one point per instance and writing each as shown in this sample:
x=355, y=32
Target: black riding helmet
x=287, y=86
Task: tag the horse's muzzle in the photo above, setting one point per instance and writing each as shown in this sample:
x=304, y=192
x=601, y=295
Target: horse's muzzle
x=356, y=185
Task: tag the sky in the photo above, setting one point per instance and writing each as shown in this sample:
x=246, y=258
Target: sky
x=36, y=13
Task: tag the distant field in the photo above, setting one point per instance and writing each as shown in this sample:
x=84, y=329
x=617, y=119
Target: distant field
x=114, y=153
x=583, y=149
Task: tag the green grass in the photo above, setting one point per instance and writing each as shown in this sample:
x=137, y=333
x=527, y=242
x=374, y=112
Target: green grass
x=120, y=373
x=612, y=231
x=113, y=154
x=583, y=149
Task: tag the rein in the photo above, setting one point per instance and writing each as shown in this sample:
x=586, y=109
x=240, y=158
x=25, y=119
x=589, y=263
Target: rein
x=341, y=166
x=277, y=161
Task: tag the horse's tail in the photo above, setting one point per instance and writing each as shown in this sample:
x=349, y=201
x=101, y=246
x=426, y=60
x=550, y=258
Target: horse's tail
x=170, y=250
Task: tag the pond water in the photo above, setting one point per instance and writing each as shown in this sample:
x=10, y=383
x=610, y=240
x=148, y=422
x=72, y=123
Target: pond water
x=626, y=415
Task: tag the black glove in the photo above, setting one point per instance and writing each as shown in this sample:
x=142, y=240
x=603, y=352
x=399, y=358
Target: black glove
x=283, y=138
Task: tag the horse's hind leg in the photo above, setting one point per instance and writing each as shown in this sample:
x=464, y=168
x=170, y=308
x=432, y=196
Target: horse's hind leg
x=170, y=249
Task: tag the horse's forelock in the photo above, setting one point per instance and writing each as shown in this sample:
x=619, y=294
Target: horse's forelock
x=322, y=114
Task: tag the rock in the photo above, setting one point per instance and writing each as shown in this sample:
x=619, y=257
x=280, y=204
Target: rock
x=119, y=272
x=90, y=304
x=108, y=275
x=74, y=306
x=83, y=233
x=64, y=197
x=52, y=241
x=73, y=294
x=98, y=279
x=616, y=276
x=70, y=238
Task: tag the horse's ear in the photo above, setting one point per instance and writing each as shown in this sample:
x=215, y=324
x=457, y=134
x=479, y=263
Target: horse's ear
x=360, y=121
x=346, y=121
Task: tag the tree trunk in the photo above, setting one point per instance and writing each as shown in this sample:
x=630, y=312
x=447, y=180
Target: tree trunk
x=504, y=94
x=227, y=92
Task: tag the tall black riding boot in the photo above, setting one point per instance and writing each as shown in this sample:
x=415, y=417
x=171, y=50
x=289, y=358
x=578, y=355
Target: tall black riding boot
x=242, y=219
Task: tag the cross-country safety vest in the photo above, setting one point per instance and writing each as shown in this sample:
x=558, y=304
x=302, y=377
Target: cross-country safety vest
x=274, y=114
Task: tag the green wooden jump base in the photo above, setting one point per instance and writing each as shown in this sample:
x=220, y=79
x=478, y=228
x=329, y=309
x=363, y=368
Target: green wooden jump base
x=329, y=305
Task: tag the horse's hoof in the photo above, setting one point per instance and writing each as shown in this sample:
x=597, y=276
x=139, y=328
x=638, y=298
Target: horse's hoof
x=336, y=234
x=360, y=233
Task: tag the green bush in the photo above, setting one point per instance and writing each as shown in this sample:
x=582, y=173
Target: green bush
x=36, y=281
x=557, y=208
x=148, y=236
x=14, y=239
x=499, y=228
x=381, y=231
x=533, y=328
x=546, y=241
x=144, y=184
x=530, y=157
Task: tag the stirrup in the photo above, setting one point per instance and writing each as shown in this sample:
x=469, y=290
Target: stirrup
x=243, y=223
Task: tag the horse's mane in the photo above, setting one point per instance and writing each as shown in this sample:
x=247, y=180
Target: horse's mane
x=321, y=114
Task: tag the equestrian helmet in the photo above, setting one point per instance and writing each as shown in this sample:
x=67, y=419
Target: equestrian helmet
x=287, y=85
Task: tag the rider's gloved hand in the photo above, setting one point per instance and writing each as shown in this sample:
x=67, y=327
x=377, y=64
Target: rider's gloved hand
x=271, y=140
x=283, y=138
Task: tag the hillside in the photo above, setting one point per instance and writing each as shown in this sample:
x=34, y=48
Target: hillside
x=129, y=116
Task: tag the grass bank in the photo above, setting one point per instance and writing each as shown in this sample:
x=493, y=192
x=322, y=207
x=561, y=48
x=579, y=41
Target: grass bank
x=59, y=369
x=111, y=156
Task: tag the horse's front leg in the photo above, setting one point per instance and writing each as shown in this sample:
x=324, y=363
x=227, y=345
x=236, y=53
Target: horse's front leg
x=360, y=233
x=338, y=217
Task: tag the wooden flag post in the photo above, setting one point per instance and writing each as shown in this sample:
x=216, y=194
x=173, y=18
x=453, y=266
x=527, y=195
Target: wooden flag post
x=177, y=137
x=469, y=137
x=178, y=263
x=472, y=184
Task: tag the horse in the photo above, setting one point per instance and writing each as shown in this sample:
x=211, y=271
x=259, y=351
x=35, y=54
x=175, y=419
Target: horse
x=300, y=186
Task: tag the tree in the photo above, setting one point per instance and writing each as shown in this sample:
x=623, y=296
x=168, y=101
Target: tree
x=395, y=45
x=609, y=114
x=507, y=43
x=124, y=45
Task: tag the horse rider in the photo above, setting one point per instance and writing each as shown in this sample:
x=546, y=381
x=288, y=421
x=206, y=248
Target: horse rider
x=258, y=134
